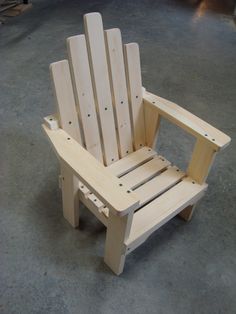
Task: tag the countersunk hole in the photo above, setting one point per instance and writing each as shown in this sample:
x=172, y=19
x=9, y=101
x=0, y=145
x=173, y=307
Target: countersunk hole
x=193, y=182
x=88, y=115
x=70, y=122
x=128, y=191
x=122, y=102
x=120, y=184
x=68, y=138
x=51, y=119
x=213, y=140
x=136, y=96
x=205, y=134
x=105, y=108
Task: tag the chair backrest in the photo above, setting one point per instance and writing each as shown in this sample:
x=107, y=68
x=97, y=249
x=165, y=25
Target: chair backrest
x=99, y=92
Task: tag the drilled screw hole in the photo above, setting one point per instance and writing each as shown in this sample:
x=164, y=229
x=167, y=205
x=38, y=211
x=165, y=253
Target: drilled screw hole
x=88, y=115
x=140, y=145
x=136, y=96
x=50, y=119
x=153, y=102
x=127, y=152
x=120, y=184
x=68, y=138
x=106, y=108
x=149, y=149
x=121, y=102
x=213, y=140
x=70, y=122
x=95, y=200
x=112, y=159
x=205, y=134
x=193, y=182
x=177, y=170
x=82, y=187
x=128, y=191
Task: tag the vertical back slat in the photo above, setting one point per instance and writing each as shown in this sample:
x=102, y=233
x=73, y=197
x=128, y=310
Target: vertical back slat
x=133, y=72
x=99, y=70
x=119, y=89
x=63, y=92
x=83, y=90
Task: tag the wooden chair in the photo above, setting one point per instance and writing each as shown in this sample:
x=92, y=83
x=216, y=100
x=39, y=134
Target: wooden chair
x=104, y=135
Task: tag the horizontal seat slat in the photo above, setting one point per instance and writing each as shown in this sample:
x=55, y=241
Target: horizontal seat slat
x=145, y=172
x=155, y=214
x=132, y=161
x=159, y=184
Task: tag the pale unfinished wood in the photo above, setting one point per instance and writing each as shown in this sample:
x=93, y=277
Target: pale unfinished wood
x=64, y=96
x=99, y=69
x=199, y=166
x=78, y=58
x=92, y=173
x=137, y=194
x=118, y=230
x=159, y=184
x=70, y=199
x=119, y=90
x=92, y=206
x=188, y=121
x=201, y=161
x=187, y=213
x=155, y=214
x=132, y=161
x=145, y=172
x=152, y=124
x=84, y=190
x=51, y=122
x=134, y=82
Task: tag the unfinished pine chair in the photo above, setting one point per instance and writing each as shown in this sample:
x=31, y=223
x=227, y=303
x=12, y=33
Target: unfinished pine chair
x=104, y=135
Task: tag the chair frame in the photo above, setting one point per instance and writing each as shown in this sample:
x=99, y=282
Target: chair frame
x=85, y=178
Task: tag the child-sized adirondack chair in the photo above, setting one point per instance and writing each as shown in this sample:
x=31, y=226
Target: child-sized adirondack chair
x=104, y=135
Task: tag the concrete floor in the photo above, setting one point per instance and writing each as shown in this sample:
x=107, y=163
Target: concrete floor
x=188, y=56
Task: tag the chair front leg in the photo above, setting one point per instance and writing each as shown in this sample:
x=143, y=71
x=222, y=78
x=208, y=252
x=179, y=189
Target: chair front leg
x=70, y=199
x=118, y=230
x=200, y=164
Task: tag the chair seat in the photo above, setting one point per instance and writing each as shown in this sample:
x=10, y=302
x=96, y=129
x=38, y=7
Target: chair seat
x=163, y=189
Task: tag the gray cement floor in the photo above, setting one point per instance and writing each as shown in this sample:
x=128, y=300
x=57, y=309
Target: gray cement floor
x=188, y=56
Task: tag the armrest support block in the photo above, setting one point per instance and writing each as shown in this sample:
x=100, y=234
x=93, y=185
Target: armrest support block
x=92, y=173
x=188, y=121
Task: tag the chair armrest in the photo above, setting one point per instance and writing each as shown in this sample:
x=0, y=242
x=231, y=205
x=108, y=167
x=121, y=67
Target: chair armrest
x=92, y=173
x=187, y=121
